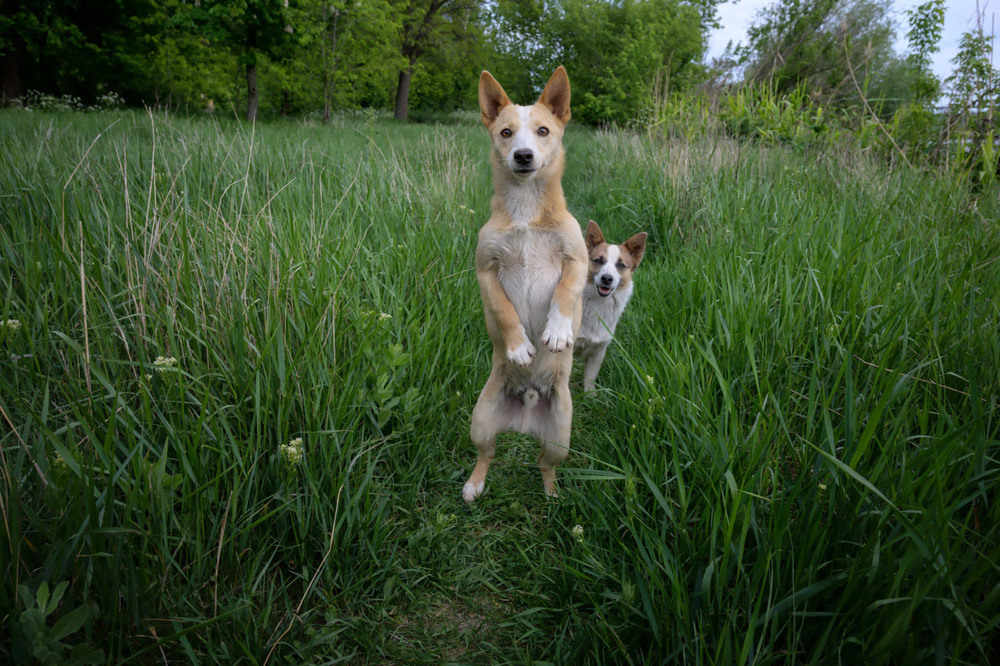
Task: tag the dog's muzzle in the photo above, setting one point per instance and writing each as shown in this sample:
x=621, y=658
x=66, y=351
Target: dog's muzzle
x=605, y=285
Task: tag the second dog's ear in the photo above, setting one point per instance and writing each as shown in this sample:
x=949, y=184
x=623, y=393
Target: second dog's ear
x=636, y=246
x=492, y=98
x=594, y=236
x=556, y=95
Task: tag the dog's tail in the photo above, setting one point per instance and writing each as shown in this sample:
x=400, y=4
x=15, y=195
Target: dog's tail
x=530, y=398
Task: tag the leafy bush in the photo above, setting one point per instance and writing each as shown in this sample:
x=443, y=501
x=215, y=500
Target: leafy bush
x=44, y=642
x=758, y=112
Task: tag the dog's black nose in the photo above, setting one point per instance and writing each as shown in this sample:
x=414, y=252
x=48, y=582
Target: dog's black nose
x=523, y=156
x=606, y=280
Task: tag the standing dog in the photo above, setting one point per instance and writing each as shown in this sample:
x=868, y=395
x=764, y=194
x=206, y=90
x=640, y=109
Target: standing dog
x=609, y=287
x=531, y=263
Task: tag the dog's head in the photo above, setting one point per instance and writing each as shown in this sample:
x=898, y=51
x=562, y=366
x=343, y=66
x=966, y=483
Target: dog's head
x=611, y=266
x=526, y=139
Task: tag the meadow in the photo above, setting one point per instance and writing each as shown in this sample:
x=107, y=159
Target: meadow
x=792, y=455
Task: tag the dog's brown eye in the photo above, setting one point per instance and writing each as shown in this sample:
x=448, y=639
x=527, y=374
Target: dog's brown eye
x=542, y=131
x=505, y=133
x=599, y=261
x=621, y=266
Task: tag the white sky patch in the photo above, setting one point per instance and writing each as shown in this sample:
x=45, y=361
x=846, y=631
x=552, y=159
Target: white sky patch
x=736, y=16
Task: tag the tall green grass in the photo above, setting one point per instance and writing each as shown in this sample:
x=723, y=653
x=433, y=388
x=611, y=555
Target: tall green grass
x=792, y=456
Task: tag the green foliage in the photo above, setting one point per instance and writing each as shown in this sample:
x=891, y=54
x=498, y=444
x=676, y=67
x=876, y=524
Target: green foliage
x=758, y=112
x=974, y=84
x=44, y=642
x=829, y=46
x=615, y=52
x=438, y=39
x=357, y=42
x=73, y=47
x=975, y=100
x=926, y=22
x=618, y=54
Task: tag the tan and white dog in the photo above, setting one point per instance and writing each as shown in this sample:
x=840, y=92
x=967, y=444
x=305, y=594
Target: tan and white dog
x=608, y=290
x=531, y=263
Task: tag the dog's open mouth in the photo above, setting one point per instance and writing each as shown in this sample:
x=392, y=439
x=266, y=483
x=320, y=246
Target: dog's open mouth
x=604, y=291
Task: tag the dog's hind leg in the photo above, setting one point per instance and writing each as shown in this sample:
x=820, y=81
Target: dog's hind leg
x=553, y=430
x=593, y=366
x=489, y=418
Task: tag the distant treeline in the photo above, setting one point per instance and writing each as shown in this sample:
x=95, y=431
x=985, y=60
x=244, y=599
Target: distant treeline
x=315, y=56
x=625, y=57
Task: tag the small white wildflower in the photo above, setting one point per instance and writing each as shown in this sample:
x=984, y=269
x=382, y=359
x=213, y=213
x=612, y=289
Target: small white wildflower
x=690, y=336
x=292, y=452
x=162, y=363
x=822, y=486
x=11, y=324
x=649, y=379
x=578, y=533
x=899, y=285
x=384, y=316
x=149, y=378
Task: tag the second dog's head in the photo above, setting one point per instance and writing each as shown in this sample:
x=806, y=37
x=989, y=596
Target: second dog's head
x=526, y=139
x=611, y=266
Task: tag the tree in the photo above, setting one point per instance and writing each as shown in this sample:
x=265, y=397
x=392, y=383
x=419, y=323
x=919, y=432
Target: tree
x=926, y=23
x=614, y=51
x=73, y=47
x=825, y=45
x=617, y=51
x=248, y=27
x=427, y=26
x=357, y=36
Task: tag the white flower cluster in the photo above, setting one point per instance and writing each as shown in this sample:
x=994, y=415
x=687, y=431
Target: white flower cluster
x=36, y=100
x=292, y=452
x=11, y=325
x=578, y=533
x=162, y=363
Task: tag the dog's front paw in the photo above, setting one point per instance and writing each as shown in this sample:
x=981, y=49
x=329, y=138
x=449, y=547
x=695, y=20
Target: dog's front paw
x=522, y=355
x=558, y=334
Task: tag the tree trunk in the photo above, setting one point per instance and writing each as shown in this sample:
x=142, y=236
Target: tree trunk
x=10, y=84
x=251, y=91
x=403, y=93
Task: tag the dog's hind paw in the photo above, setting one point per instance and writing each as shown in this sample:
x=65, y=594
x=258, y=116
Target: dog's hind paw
x=470, y=491
x=558, y=334
x=522, y=355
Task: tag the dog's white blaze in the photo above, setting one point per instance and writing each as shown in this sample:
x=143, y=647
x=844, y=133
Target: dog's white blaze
x=610, y=267
x=524, y=137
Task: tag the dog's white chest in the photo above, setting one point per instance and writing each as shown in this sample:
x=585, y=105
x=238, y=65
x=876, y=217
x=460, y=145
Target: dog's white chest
x=601, y=314
x=529, y=268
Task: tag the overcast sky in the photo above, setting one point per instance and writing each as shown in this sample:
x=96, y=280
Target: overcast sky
x=959, y=17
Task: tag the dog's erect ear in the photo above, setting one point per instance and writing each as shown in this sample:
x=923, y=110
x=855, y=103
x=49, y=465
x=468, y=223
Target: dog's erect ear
x=636, y=246
x=492, y=98
x=556, y=95
x=594, y=237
